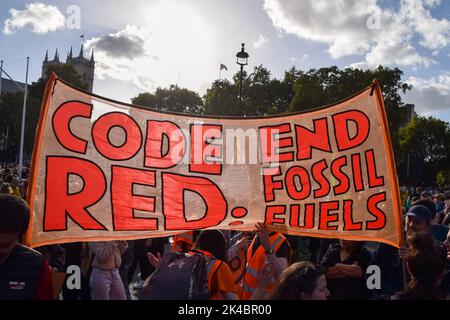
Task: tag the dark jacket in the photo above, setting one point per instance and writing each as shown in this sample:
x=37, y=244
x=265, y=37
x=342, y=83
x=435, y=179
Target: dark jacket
x=20, y=273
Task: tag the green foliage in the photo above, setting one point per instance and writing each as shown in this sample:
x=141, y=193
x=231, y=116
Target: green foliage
x=173, y=99
x=441, y=179
x=429, y=140
x=222, y=99
x=11, y=105
x=319, y=87
x=261, y=94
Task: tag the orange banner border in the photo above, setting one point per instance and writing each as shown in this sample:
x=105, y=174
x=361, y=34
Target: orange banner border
x=375, y=87
x=36, y=152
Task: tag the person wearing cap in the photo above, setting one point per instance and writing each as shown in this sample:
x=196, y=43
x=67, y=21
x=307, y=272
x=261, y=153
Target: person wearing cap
x=437, y=230
x=418, y=219
x=389, y=259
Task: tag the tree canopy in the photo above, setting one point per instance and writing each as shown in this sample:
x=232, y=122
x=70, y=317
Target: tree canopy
x=11, y=109
x=425, y=151
x=173, y=99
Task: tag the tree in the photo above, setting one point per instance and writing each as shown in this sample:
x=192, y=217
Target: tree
x=11, y=109
x=173, y=99
x=261, y=94
x=441, y=179
x=222, y=99
x=427, y=139
x=319, y=87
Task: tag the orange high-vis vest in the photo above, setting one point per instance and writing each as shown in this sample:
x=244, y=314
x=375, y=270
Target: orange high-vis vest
x=187, y=238
x=212, y=265
x=237, y=266
x=255, y=263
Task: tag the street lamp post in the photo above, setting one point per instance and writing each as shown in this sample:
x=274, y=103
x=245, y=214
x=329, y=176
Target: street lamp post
x=242, y=60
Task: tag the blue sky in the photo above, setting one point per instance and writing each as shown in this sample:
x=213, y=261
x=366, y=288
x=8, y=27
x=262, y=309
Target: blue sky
x=140, y=45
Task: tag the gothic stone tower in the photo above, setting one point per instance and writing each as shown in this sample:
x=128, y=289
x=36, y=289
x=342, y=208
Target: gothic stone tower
x=83, y=66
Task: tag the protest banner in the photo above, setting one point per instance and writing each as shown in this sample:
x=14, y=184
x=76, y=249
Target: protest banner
x=104, y=170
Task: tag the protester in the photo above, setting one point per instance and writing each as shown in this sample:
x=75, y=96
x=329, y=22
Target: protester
x=346, y=265
x=302, y=281
x=439, y=201
x=171, y=279
x=5, y=188
x=220, y=281
x=184, y=242
x=127, y=262
x=420, y=219
x=446, y=212
x=142, y=248
x=105, y=281
x=237, y=256
x=272, y=247
x=426, y=262
x=24, y=272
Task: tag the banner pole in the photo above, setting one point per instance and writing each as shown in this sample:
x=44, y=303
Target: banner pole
x=36, y=151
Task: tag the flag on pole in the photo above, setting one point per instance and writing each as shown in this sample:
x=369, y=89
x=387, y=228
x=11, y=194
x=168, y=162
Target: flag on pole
x=222, y=66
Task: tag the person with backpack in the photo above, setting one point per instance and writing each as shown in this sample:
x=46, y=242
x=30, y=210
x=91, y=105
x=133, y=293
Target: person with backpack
x=200, y=274
x=183, y=242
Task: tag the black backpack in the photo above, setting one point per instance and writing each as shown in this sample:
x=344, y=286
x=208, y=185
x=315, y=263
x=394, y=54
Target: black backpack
x=179, y=276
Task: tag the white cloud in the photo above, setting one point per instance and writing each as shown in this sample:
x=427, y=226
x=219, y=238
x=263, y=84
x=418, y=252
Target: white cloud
x=361, y=27
x=261, y=42
x=126, y=43
x=303, y=57
x=42, y=19
x=429, y=94
x=119, y=54
x=168, y=47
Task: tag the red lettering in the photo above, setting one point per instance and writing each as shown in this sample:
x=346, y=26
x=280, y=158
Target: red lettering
x=124, y=202
x=101, y=131
x=316, y=139
x=326, y=217
x=202, y=148
x=270, y=185
x=308, y=219
x=270, y=145
x=317, y=172
x=59, y=203
x=348, y=217
x=374, y=179
x=305, y=183
x=342, y=132
x=155, y=157
x=344, y=183
x=175, y=185
x=357, y=172
x=61, y=124
x=272, y=212
x=372, y=207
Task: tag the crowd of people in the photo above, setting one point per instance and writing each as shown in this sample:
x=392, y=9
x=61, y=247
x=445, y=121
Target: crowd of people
x=229, y=265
